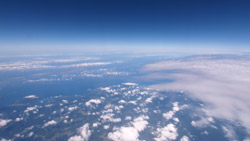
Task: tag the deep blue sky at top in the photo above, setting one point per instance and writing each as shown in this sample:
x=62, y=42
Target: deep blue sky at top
x=124, y=21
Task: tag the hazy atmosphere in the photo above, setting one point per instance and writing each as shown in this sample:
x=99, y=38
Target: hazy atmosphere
x=124, y=70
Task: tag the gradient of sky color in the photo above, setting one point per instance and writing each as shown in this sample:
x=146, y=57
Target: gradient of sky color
x=41, y=24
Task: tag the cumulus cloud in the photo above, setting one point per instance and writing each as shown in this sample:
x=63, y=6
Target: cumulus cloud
x=184, y=138
x=106, y=127
x=130, y=133
x=109, y=117
x=72, y=108
x=176, y=108
x=124, y=134
x=168, y=132
x=84, y=134
x=122, y=101
x=4, y=122
x=52, y=122
x=18, y=119
x=128, y=118
x=222, y=83
x=140, y=123
x=93, y=101
x=28, y=109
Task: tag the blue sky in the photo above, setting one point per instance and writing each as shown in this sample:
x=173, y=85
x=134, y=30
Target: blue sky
x=119, y=24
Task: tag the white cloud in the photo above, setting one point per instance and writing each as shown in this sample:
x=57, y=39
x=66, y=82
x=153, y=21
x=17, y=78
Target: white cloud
x=4, y=122
x=30, y=134
x=52, y=122
x=46, y=64
x=87, y=64
x=140, y=123
x=229, y=132
x=48, y=105
x=84, y=134
x=3, y=139
x=176, y=119
x=193, y=123
x=222, y=83
x=110, y=118
x=130, y=133
x=168, y=132
x=132, y=102
x=184, y=138
x=95, y=101
x=72, y=108
x=30, y=97
x=106, y=127
x=124, y=134
x=42, y=80
x=95, y=124
x=28, y=109
x=128, y=118
x=149, y=100
x=65, y=101
x=170, y=114
x=203, y=122
x=18, y=119
x=122, y=101
x=130, y=84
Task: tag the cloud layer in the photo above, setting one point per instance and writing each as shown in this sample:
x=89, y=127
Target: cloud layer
x=222, y=83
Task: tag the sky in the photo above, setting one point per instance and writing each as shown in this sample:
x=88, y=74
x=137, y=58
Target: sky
x=124, y=25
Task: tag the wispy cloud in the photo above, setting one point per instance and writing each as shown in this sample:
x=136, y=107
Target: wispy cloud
x=221, y=82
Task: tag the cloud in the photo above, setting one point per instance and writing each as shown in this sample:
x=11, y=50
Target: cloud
x=128, y=118
x=110, y=118
x=168, y=132
x=130, y=84
x=84, y=134
x=65, y=101
x=52, y=122
x=221, y=82
x=130, y=133
x=30, y=97
x=176, y=108
x=87, y=64
x=203, y=122
x=140, y=123
x=95, y=124
x=30, y=134
x=122, y=101
x=124, y=134
x=18, y=119
x=72, y=108
x=149, y=100
x=42, y=80
x=50, y=64
x=229, y=133
x=28, y=109
x=184, y=138
x=106, y=127
x=93, y=101
x=4, y=122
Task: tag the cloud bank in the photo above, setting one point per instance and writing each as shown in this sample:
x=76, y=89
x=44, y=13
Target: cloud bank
x=221, y=82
